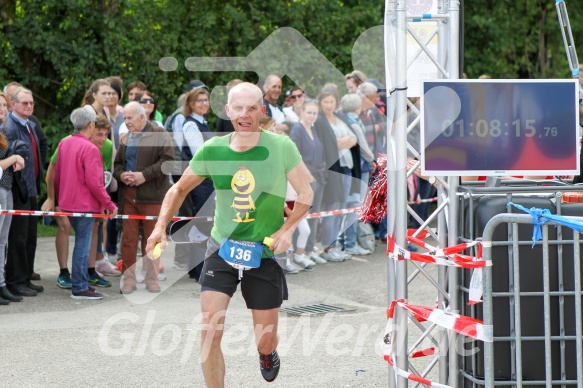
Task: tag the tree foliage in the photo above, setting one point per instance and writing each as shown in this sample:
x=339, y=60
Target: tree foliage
x=517, y=39
x=58, y=47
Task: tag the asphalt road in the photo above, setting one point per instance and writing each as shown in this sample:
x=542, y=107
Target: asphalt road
x=153, y=340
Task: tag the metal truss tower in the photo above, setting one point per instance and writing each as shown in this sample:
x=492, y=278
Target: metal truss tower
x=398, y=24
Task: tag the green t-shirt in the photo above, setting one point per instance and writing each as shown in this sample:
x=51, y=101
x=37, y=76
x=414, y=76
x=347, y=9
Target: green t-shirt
x=106, y=154
x=158, y=117
x=250, y=186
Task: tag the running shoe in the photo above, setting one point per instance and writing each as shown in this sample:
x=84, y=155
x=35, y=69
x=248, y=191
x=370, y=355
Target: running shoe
x=315, y=257
x=269, y=365
x=333, y=255
x=357, y=250
x=64, y=281
x=87, y=294
x=98, y=281
x=106, y=269
x=290, y=268
x=304, y=262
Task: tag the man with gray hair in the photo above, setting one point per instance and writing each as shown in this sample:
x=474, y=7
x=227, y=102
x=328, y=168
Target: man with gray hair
x=142, y=187
x=79, y=187
x=22, y=237
x=373, y=117
x=272, y=89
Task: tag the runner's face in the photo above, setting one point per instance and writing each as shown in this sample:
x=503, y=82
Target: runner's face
x=245, y=110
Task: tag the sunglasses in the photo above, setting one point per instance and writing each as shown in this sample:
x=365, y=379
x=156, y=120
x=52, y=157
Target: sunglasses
x=147, y=100
x=296, y=96
x=25, y=103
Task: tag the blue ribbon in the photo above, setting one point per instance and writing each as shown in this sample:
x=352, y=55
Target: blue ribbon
x=542, y=216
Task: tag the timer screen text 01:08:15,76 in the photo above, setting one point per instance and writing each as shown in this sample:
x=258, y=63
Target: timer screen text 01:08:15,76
x=493, y=128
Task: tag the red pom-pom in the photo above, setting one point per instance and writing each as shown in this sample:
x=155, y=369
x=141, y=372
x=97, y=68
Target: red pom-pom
x=374, y=206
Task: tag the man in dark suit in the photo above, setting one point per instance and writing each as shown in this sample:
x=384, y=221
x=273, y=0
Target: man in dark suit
x=23, y=230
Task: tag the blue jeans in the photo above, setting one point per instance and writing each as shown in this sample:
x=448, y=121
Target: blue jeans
x=318, y=189
x=331, y=225
x=83, y=227
x=100, y=238
x=348, y=231
x=111, y=244
x=5, y=220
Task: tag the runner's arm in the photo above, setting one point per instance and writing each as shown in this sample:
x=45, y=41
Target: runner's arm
x=298, y=177
x=172, y=202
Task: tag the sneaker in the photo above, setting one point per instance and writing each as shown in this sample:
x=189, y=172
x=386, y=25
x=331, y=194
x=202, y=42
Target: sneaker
x=346, y=256
x=289, y=268
x=180, y=266
x=87, y=294
x=357, y=250
x=98, y=281
x=65, y=281
x=111, y=257
x=269, y=365
x=316, y=258
x=106, y=269
x=139, y=275
x=162, y=277
x=304, y=262
x=333, y=255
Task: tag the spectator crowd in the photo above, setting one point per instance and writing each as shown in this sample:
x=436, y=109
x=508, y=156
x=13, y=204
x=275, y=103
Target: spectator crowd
x=121, y=158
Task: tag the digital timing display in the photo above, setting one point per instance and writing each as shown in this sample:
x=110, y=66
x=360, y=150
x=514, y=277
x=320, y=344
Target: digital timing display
x=500, y=127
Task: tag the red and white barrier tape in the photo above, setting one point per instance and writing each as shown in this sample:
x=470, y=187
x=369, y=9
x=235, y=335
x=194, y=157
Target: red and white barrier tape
x=331, y=213
x=92, y=215
x=425, y=200
x=460, y=324
x=413, y=377
x=438, y=256
x=150, y=218
x=447, y=256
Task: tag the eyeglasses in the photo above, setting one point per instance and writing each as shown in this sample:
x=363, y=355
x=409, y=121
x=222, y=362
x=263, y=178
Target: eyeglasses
x=205, y=101
x=25, y=103
x=147, y=100
x=295, y=96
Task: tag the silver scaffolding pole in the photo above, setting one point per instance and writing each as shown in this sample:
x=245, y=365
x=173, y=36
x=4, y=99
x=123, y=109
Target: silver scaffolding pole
x=447, y=62
x=397, y=175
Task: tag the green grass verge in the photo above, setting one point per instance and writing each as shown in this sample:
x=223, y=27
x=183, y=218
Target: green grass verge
x=49, y=230
x=46, y=230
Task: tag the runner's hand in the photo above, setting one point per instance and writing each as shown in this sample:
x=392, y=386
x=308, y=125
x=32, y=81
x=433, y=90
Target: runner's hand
x=282, y=240
x=157, y=236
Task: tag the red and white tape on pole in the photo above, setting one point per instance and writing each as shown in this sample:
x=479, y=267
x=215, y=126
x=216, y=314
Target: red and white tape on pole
x=460, y=324
x=444, y=256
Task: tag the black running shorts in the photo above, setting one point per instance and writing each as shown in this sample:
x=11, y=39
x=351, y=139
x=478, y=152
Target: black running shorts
x=263, y=288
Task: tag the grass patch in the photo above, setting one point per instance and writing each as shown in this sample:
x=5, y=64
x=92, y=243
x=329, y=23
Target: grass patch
x=49, y=230
x=46, y=230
